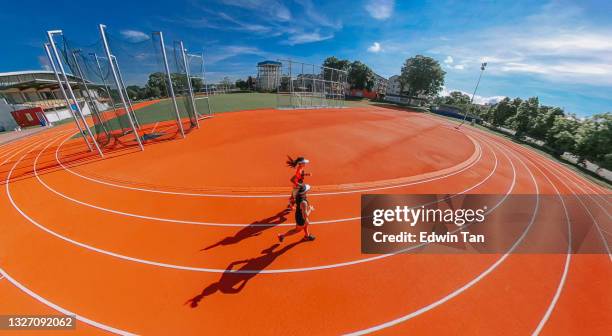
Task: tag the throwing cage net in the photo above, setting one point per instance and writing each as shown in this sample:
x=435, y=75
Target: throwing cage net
x=197, y=73
x=303, y=85
x=136, y=90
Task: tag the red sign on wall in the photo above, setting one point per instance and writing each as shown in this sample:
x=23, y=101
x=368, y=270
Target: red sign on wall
x=30, y=117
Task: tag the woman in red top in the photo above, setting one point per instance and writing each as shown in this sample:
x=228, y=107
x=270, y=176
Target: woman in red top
x=298, y=178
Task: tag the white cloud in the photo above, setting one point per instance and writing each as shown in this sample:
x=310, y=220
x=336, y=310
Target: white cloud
x=257, y=28
x=313, y=13
x=302, y=38
x=375, y=47
x=44, y=62
x=380, y=9
x=459, y=66
x=449, y=60
x=273, y=8
x=134, y=35
x=557, y=45
x=477, y=99
x=226, y=52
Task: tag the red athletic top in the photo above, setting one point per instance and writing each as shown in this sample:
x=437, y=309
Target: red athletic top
x=299, y=176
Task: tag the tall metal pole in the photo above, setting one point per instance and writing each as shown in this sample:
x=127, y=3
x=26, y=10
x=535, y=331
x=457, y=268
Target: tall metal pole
x=94, y=107
x=129, y=101
x=170, y=88
x=192, y=98
x=482, y=69
x=61, y=66
x=106, y=86
x=314, y=83
x=61, y=86
x=112, y=67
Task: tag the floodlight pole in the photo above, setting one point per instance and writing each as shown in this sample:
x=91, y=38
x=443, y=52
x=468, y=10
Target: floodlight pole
x=127, y=96
x=192, y=99
x=61, y=66
x=61, y=85
x=112, y=67
x=170, y=88
x=106, y=86
x=482, y=69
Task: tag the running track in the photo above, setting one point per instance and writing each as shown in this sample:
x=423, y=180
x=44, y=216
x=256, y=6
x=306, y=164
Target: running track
x=139, y=243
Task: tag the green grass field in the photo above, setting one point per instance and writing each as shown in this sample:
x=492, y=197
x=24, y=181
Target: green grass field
x=163, y=110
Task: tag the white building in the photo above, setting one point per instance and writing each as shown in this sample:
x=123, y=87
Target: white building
x=393, y=88
x=268, y=75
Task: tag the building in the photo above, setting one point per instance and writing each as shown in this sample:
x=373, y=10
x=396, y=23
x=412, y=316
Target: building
x=22, y=90
x=268, y=75
x=380, y=85
x=394, y=86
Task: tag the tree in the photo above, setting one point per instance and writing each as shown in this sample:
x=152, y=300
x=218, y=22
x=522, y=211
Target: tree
x=422, y=75
x=360, y=76
x=543, y=121
x=526, y=112
x=135, y=92
x=157, y=85
x=250, y=83
x=335, y=63
x=594, y=140
x=241, y=84
x=560, y=137
x=501, y=111
x=197, y=84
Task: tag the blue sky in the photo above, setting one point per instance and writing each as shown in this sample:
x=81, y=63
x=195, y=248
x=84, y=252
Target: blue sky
x=560, y=51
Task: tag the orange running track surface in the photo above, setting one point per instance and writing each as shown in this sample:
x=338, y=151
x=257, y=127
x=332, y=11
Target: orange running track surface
x=141, y=242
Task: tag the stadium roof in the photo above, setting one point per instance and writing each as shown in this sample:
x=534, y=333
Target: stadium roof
x=25, y=72
x=269, y=63
x=37, y=79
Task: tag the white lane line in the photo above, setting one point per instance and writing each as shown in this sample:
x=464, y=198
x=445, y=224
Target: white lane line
x=471, y=282
x=154, y=127
x=566, y=265
x=191, y=222
x=5, y=275
x=568, y=255
x=547, y=163
x=61, y=309
x=476, y=145
x=217, y=270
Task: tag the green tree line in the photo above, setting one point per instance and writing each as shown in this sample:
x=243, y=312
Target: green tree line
x=590, y=139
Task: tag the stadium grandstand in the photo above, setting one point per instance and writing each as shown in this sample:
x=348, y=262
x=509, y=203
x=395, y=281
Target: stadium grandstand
x=38, y=91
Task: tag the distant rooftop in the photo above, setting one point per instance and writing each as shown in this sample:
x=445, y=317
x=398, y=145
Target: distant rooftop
x=269, y=63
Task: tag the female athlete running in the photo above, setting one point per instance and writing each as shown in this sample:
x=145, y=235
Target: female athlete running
x=302, y=214
x=298, y=178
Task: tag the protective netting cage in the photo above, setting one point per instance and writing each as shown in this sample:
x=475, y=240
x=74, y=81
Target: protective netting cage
x=197, y=75
x=303, y=85
x=136, y=89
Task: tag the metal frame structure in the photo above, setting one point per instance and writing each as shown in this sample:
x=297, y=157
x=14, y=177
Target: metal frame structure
x=50, y=34
x=191, y=97
x=189, y=56
x=106, y=86
x=61, y=86
x=124, y=88
x=92, y=104
x=114, y=72
x=170, y=88
x=299, y=88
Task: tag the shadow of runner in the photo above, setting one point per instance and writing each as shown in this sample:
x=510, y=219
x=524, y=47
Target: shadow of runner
x=233, y=281
x=252, y=230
